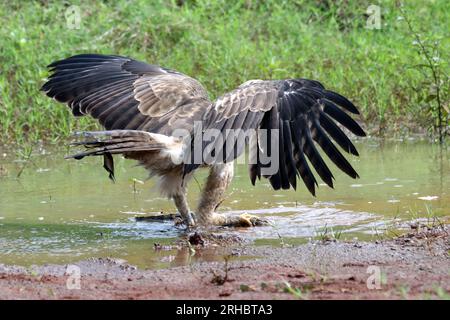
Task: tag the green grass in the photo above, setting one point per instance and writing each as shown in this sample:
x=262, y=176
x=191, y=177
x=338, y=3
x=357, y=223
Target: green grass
x=296, y=292
x=224, y=43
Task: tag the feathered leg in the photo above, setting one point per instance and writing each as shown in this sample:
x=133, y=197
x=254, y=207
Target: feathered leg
x=183, y=208
x=173, y=186
x=219, y=179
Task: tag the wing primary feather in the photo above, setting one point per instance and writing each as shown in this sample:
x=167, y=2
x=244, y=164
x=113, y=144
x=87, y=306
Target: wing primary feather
x=282, y=157
x=301, y=164
x=272, y=123
x=330, y=149
x=289, y=157
x=337, y=134
x=254, y=168
x=314, y=156
x=341, y=100
x=331, y=109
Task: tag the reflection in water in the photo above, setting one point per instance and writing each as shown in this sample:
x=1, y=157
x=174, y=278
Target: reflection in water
x=63, y=211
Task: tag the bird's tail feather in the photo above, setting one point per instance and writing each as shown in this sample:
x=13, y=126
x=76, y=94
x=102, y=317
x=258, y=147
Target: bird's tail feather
x=107, y=143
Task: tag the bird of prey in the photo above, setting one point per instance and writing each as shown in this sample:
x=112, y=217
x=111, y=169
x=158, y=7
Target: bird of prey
x=141, y=106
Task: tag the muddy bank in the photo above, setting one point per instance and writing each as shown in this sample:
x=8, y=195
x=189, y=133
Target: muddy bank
x=416, y=265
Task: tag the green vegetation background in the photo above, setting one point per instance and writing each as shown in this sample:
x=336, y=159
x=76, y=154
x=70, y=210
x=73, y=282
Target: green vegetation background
x=224, y=43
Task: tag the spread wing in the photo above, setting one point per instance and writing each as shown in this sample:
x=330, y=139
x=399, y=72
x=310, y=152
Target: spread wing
x=123, y=93
x=304, y=115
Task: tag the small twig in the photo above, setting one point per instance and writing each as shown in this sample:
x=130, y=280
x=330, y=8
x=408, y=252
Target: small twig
x=434, y=71
x=26, y=161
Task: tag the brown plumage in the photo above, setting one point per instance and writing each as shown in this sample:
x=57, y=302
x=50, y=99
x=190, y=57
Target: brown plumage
x=141, y=106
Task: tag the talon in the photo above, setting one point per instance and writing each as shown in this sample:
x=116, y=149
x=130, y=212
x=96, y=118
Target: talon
x=190, y=220
x=248, y=220
x=194, y=217
x=178, y=221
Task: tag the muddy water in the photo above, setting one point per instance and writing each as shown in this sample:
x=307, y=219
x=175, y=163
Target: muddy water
x=61, y=211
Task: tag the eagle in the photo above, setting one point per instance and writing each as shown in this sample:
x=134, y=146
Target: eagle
x=143, y=107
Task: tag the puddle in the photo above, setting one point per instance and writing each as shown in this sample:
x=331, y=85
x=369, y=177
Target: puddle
x=62, y=211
